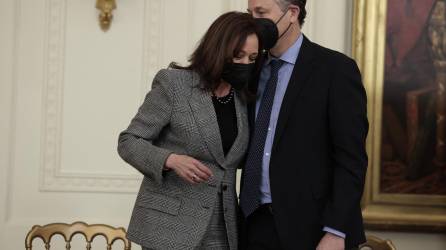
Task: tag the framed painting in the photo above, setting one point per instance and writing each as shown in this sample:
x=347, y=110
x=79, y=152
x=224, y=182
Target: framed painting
x=400, y=47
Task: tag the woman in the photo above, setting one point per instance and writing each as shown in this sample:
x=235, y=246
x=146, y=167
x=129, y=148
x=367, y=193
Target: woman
x=188, y=138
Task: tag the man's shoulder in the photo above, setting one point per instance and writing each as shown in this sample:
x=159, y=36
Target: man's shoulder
x=331, y=56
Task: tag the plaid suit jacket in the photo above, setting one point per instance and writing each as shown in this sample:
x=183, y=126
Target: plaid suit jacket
x=178, y=116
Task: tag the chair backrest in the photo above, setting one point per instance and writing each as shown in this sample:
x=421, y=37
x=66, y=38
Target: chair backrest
x=46, y=232
x=376, y=243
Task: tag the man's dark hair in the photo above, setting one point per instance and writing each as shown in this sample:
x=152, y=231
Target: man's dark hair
x=301, y=3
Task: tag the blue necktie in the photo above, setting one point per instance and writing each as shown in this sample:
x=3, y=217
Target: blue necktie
x=250, y=193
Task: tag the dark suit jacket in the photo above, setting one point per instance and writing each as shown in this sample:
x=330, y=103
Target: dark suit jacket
x=318, y=161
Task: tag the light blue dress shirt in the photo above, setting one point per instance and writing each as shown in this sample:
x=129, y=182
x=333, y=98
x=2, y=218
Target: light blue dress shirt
x=289, y=59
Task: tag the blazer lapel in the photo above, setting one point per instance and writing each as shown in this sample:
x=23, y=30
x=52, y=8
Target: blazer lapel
x=204, y=114
x=239, y=146
x=302, y=71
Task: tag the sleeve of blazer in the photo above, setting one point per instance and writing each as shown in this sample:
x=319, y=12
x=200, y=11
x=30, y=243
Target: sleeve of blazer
x=135, y=144
x=348, y=128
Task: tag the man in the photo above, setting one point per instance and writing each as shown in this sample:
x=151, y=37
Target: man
x=304, y=174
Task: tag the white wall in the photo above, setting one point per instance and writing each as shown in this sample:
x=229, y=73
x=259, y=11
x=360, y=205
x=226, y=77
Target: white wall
x=7, y=31
x=67, y=89
x=328, y=23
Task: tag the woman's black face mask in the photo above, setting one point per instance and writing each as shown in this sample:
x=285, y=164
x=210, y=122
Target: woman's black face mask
x=238, y=74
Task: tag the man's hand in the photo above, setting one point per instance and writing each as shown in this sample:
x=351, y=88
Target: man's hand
x=331, y=242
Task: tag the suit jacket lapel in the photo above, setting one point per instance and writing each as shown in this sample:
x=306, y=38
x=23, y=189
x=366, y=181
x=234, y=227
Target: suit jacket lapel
x=204, y=114
x=302, y=71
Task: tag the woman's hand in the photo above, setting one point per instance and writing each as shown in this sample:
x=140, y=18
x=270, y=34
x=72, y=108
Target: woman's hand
x=188, y=168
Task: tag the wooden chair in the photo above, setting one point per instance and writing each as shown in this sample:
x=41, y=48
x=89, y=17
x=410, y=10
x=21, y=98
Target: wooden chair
x=46, y=232
x=375, y=243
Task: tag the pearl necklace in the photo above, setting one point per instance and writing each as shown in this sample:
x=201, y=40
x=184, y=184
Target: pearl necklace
x=224, y=99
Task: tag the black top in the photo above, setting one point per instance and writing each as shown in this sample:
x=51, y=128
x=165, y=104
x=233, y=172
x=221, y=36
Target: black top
x=227, y=120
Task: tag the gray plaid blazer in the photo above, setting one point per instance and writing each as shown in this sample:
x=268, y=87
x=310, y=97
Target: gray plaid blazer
x=178, y=116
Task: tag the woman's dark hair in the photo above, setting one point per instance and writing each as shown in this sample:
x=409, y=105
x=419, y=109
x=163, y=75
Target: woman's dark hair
x=222, y=42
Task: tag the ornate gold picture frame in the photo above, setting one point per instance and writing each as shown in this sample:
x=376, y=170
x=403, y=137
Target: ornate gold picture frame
x=385, y=204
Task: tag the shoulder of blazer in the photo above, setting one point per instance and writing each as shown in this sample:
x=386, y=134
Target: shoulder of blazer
x=180, y=80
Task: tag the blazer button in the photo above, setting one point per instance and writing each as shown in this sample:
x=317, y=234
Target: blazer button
x=225, y=187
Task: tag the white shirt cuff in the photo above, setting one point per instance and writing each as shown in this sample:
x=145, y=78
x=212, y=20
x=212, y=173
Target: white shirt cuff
x=333, y=231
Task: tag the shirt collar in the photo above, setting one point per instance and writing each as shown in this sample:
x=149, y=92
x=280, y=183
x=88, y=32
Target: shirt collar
x=290, y=55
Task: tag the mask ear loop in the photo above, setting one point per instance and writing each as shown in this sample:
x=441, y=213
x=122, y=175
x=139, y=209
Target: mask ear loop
x=264, y=51
x=280, y=19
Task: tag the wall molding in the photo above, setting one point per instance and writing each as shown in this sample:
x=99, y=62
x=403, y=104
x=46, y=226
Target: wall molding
x=153, y=47
x=52, y=178
x=6, y=178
